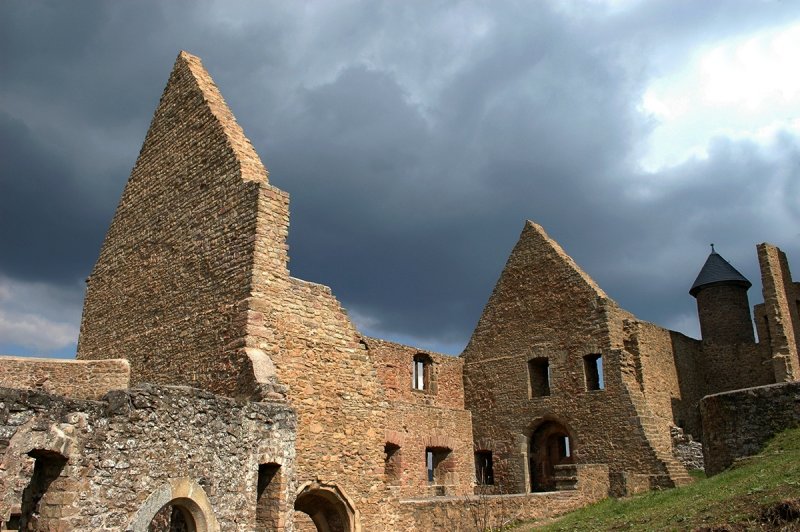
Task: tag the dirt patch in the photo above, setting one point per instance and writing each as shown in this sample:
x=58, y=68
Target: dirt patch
x=782, y=513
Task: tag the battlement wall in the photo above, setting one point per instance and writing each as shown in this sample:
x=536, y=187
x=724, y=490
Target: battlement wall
x=77, y=379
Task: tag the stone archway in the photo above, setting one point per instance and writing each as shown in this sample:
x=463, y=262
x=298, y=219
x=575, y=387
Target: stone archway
x=326, y=505
x=550, y=445
x=180, y=505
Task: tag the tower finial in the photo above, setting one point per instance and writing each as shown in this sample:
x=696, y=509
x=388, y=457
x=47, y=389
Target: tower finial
x=712, y=248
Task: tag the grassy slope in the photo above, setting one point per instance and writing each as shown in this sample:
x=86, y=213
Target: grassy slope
x=735, y=498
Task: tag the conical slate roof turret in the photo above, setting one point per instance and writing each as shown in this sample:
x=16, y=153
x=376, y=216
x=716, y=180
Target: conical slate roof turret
x=717, y=271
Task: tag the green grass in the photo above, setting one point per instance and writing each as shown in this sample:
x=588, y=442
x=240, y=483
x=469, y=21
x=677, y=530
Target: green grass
x=736, y=498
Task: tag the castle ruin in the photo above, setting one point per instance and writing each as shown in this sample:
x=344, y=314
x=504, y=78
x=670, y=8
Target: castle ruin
x=214, y=391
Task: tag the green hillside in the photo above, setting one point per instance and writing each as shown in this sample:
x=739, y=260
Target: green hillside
x=761, y=493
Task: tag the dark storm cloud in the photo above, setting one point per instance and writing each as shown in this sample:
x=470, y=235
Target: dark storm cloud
x=414, y=139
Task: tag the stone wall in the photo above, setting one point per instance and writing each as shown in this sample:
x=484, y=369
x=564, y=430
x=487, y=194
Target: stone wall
x=545, y=307
x=192, y=286
x=90, y=379
x=430, y=418
x=737, y=424
x=394, y=364
x=781, y=312
x=116, y=462
x=168, y=290
x=332, y=382
x=468, y=514
x=670, y=378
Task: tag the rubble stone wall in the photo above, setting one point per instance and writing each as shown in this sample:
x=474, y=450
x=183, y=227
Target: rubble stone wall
x=79, y=379
x=738, y=424
x=134, y=451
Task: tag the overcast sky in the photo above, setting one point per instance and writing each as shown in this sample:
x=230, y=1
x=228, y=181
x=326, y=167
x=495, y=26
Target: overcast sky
x=415, y=138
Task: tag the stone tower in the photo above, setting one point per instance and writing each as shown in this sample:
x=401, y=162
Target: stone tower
x=722, y=304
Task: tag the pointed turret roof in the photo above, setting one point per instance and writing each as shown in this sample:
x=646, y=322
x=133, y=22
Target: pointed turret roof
x=716, y=271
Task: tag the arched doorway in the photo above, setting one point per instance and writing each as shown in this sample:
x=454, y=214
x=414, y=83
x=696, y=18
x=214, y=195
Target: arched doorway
x=172, y=517
x=328, y=508
x=179, y=505
x=550, y=445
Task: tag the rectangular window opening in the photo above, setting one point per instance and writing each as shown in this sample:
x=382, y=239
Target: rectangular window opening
x=268, y=496
x=392, y=467
x=593, y=371
x=439, y=464
x=484, y=468
x=420, y=375
x=538, y=377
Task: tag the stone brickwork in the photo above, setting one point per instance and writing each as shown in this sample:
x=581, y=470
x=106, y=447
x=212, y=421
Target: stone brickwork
x=113, y=464
x=169, y=290
x=192, y=286
x=430, y=418
x=780, y=312
x=738, y=424
x=544, y=307
x=688, y=451
x=79, y=379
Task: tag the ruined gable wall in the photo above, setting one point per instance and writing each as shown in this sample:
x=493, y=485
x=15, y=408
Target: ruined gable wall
x=167, y=290
x=79, y=379
x=419, y=419
x=669, y=374
x=545, y=306
x=331, y=380
x=781, y=310
x=125, y=451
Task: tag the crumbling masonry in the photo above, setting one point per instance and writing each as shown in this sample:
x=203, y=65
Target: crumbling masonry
x=213, y=391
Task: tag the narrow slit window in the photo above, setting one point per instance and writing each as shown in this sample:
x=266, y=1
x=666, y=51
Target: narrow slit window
x=420, y=375
x=593, y=372
x=538, y=377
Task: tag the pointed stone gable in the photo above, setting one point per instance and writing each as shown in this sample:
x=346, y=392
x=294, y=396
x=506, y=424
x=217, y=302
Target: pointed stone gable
x=176, y=267
x=251, y=167
x=541, y=295
x=534, y=243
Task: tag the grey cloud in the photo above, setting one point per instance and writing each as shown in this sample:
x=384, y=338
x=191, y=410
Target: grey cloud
x=414, y=138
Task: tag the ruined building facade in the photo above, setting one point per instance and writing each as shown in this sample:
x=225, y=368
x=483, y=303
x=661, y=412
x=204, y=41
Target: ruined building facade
x=214, y=391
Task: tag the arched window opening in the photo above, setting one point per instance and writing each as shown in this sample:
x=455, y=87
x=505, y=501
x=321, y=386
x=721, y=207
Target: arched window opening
x=268, y=497
x=440, y=465
x=47, y=468
x=550, y=447
x=327, y=508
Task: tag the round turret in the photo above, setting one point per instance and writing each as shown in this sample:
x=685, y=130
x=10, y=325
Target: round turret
x=722, y=304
